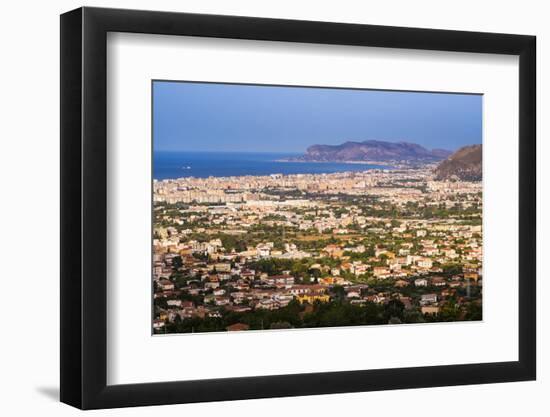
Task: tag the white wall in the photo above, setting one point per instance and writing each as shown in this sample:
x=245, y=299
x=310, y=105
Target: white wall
x=30, y=194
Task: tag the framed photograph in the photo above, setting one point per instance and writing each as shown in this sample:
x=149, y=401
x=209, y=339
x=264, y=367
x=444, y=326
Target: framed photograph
x=258, y=208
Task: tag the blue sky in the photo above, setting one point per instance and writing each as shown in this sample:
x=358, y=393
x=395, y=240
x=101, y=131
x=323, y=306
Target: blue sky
x=251, y=118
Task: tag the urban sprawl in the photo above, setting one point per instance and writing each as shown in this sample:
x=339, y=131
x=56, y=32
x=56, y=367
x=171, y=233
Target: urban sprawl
x=315, y=250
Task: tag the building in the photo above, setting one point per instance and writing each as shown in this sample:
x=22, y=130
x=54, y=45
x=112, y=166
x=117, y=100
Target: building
x=166, y=285
x=429, y=310
x=421, y=282
x=428, y=299
x=311, y=298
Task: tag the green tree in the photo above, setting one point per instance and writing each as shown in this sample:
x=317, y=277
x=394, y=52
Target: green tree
x=394, y=309
x=413, y=316
x=474, y=311
x=177, y=262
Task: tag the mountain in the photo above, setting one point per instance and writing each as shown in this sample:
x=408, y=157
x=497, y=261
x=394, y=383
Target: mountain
x=441, y=153
x=464, y=164
x=373, y=150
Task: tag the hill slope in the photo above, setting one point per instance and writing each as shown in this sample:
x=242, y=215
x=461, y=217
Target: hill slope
x=465, y=164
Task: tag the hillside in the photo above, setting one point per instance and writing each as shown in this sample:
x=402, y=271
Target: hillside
x=465, y=164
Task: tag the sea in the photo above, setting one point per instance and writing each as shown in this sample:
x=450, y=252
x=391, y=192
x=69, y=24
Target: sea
x=170, y=165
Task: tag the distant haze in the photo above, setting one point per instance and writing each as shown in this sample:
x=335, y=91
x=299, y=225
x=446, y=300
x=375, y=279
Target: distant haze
x=250, y=118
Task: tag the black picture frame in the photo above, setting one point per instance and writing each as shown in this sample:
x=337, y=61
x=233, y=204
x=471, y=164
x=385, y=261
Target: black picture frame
x=84, y=207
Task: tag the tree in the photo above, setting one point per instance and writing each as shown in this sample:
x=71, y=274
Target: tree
x=474, y=311
x=177, y=262
x=339, y=293
x=449, y=312
x=413, y=316
x=280, y=325
x=160, y=302
x=452, y=269
x=394, y=309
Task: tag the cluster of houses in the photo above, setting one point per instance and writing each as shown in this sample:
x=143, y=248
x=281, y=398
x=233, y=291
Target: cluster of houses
x=200, y=278
x=211, y=289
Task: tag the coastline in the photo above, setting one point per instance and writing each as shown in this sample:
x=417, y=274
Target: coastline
x=203, y=165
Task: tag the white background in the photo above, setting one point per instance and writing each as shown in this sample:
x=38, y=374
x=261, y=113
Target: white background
x=29, y=163
x=133, y=60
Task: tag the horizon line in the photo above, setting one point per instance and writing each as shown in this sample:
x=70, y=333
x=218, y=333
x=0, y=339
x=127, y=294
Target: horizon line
x=304, y=151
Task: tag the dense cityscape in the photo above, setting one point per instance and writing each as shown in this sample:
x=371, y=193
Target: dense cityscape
x=380, y=246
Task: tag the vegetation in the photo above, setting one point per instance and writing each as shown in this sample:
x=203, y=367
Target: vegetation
x=335, y=313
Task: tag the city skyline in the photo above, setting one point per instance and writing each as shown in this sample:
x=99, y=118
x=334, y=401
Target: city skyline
x=212, y=117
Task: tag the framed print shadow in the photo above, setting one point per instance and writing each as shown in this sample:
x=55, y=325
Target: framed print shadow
x=257, y=208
